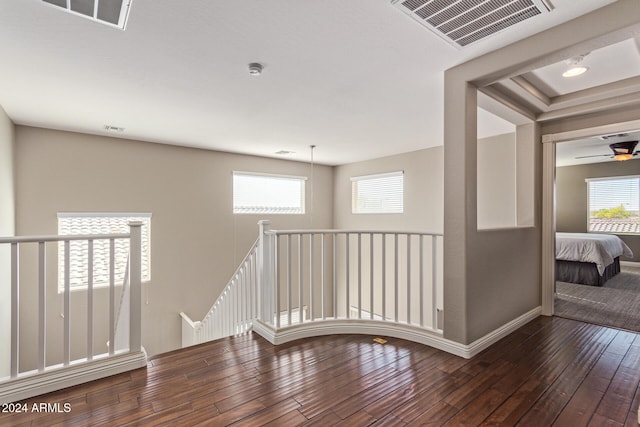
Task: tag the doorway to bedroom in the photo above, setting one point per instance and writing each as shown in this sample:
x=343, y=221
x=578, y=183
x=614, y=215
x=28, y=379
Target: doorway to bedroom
x=598, y=231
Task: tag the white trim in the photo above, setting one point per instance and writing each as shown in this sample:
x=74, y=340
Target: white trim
x=630, y=126
x=372, y=327
x=271, y=175
x=377, y=175
x=634, y=264
x=611, y=178
x=103, y=214
x=56, y=379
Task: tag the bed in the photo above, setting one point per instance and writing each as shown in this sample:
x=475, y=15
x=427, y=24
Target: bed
x=589, y=258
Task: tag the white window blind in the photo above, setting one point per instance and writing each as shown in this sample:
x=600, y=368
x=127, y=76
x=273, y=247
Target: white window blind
x=267, y=194
x=614, y=205
x=380, y=193
x=100, y=223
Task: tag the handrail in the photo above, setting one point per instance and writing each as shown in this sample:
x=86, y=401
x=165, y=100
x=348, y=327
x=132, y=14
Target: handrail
x=350, y=231
x=62, y=238
x=233, y=311
x=229, y=283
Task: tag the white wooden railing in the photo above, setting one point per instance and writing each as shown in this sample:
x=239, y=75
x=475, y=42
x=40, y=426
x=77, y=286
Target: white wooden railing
x=330, y=281
x=301, y=283
x=233, y=311
x=94, y=363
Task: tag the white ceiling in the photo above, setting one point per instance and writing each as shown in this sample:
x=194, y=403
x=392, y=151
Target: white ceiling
x=358, y=79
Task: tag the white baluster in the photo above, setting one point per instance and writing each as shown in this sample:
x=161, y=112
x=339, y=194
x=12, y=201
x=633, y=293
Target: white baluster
x=371, y=276
x=90, y=300
x=408, y=279
x=322, y=280
x=359, y=275
x=396, y=272
x=300, y=288
x=112, y=296
x=434, y=279
x=276, y=284
x=384, y=276
x=66, y=309
x=334, y=243
x=311, y=281
x=15, y=304
x=421, y=237
x=42, y=307
x=135, y=287
x=347, y=264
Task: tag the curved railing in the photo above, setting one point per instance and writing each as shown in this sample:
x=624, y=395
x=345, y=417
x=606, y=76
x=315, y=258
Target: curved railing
x=297, y=283
x=330, y=281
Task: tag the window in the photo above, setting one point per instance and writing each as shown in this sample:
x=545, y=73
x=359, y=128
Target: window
x=267, y=194
x=100, y=223
x=613, y=205
x=381, y=193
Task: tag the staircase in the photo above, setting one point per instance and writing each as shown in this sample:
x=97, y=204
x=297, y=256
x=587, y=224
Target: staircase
x=299, y=283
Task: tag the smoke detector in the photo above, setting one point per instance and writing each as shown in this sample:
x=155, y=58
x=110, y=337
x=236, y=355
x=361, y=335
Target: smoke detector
x=255, y=69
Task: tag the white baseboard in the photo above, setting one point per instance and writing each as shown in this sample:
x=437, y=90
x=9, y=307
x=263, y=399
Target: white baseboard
x=55, y=379
x=630, y=264
x=386, y=329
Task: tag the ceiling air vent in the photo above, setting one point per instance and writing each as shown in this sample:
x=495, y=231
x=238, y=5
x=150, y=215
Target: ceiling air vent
x=462, y=22
x=614, y=135
x=109, y=12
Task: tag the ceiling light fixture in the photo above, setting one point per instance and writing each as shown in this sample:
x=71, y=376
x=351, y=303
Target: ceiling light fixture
x=575, y=67
x=255, y=69
x=623, y=150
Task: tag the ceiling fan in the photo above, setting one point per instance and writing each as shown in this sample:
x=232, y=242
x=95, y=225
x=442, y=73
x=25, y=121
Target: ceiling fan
x=621, y=151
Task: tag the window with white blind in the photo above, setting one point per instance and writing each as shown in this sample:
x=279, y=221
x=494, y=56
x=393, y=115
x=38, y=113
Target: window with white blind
x=614, y=205
x=267, y=194
x=377, y=194
x=100, y=223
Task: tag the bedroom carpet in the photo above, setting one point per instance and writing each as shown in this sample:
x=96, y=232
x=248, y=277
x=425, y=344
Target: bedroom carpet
x=615, y=304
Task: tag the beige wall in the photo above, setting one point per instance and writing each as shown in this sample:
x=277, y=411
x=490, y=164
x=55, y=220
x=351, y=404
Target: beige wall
x=196, y=241
x=7, y=228
x=571, y=196
x=497, y=181
x=493, y=277
x=423, y=192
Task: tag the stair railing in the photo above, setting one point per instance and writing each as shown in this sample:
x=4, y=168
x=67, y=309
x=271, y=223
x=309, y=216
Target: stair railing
x=21, y=383
x=233, y=311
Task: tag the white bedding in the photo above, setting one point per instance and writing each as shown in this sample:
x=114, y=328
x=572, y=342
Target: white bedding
x=599, y=249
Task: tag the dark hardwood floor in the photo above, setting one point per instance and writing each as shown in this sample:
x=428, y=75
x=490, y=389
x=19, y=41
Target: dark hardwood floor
x=552, y=371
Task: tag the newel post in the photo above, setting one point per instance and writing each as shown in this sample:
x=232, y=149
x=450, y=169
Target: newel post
x=135, y=285
x=265, y=276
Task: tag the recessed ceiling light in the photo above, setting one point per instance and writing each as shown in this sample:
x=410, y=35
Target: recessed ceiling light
x=284, y=152
x=575, y=66
x=575, y=71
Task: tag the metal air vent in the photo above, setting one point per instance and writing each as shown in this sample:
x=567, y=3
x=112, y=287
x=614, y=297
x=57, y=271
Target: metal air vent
x=614, y=135
x=462, y=22
x=109, y=12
